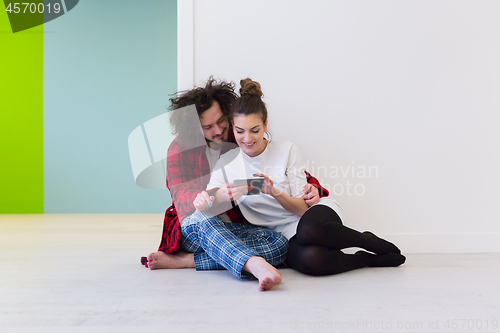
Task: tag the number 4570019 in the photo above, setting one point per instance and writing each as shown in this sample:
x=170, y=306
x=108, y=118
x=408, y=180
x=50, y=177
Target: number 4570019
x=32, y=8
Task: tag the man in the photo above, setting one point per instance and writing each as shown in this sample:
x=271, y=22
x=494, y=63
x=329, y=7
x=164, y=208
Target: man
x=188, y=171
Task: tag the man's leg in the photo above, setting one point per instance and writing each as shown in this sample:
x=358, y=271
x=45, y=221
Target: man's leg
x=191, y=254
x=192, y=245
x=224, y=247
x=161, y=260
x=269, y=244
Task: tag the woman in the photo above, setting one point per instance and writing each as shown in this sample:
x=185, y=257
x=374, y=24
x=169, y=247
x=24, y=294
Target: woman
x=316, y=234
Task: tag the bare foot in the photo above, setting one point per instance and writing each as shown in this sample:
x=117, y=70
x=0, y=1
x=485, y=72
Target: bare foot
x=161, y=260
x=268, y=275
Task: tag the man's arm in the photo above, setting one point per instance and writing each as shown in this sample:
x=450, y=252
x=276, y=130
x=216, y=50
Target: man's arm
x=323, y=192
x=313, y=190
x=184, y=178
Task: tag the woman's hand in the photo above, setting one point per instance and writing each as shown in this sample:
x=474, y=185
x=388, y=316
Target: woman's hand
x=268, y=185
x=228, y=193
x=311, y=195
x=203, y=201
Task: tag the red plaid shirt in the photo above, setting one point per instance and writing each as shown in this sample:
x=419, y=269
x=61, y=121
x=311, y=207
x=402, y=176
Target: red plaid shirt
x=188, y=173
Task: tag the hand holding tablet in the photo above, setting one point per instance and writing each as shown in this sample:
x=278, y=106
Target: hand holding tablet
x=255, y=183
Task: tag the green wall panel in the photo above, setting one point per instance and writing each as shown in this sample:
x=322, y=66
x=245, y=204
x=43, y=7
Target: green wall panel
x=21, y=119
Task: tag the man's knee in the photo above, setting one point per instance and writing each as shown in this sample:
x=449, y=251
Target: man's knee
x=207, y=223
x=282, y=242
x=200, y=218
x=278, y=248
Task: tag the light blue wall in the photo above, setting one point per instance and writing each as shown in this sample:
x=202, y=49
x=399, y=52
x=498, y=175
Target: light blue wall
x=109, y=66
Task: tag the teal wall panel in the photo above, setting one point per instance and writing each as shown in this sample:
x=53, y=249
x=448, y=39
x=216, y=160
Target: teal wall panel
x=109, y=66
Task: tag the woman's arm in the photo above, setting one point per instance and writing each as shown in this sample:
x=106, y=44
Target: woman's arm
x=295, y=206
x=292, y=200
x=219, y=195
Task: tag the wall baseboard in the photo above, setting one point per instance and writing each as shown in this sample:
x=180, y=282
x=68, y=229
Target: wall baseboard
x=446, y=243
x=408, y=243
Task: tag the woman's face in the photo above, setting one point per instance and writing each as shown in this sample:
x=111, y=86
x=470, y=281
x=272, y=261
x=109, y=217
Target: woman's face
x=249, y=134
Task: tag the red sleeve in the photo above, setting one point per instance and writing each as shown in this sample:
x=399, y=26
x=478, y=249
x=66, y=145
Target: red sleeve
x=185, y=177
x=171, y=236
x=323, y=192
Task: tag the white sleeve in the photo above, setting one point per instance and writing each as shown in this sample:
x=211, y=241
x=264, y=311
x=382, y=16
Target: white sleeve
x=295, y=172
x=217, y=176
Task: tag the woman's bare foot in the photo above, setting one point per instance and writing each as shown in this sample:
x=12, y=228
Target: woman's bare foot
x=268, y=275
x=161, y=260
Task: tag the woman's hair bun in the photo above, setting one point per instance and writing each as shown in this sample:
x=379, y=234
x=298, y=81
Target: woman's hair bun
x=249, y=87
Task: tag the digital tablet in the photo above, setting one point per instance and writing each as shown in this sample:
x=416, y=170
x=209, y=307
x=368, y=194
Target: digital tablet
x=255, y=182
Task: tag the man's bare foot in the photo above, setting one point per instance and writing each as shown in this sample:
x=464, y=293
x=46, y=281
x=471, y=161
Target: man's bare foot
x=268, y=275
x=161, y=260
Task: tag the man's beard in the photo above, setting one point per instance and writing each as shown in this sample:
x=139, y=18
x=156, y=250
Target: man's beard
x=220, y=137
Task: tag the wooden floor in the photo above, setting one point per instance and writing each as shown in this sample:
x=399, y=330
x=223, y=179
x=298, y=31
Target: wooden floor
x=81, y=273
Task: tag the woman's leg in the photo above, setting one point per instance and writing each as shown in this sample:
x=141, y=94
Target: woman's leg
x=319, y=260
x=321, y=226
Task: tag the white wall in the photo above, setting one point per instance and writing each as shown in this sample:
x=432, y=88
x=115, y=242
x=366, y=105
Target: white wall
x=408, y=87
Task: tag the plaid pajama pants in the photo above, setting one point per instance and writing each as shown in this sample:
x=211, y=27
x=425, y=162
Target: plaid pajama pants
x=224, y=245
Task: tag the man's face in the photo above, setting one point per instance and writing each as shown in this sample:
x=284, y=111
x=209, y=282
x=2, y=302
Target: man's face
x=214, y=124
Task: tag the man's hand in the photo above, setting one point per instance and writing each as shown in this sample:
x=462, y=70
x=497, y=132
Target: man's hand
x=203, y=201
x=228, y=193
x=311, y=195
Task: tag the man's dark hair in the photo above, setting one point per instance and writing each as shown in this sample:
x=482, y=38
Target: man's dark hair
x=202, y=98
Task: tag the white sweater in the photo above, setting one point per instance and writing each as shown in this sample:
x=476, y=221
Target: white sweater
x=283, y=163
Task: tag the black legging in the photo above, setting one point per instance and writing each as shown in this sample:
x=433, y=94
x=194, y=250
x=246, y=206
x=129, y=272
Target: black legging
x=316, y=248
